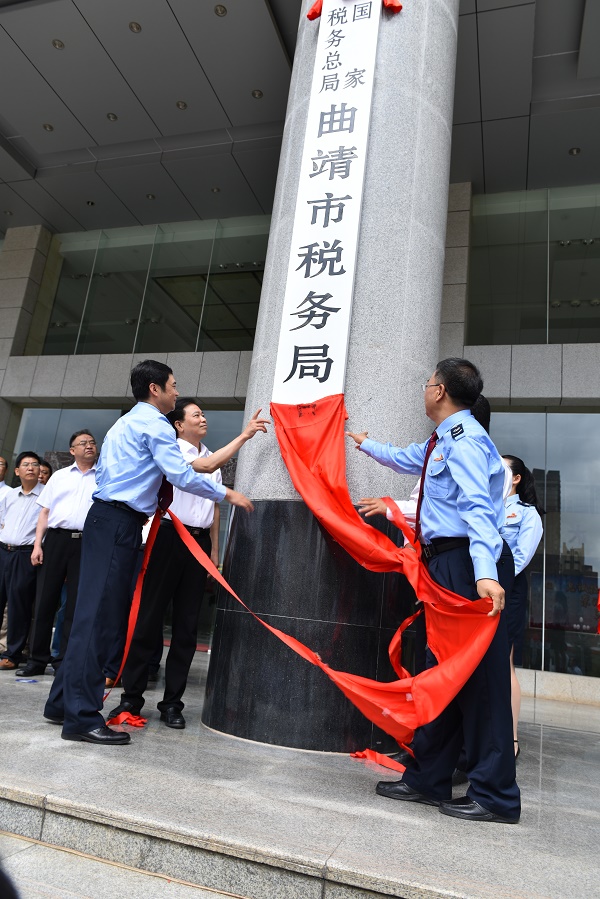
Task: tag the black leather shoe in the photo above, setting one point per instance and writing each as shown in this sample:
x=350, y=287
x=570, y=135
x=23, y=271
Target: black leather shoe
x=30, y=670
x=469, y=810
x=103, y=736
x=173, y=718
x=123, y=707
x=397, y=789
x=53, y=720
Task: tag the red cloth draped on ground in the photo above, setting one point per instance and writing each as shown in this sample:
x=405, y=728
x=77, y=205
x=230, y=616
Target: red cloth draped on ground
x=317, y=8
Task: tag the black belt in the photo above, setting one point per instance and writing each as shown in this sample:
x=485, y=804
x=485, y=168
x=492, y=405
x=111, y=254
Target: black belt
x=195, y=532
x=12, y=547
x=75, y=535
x=119, y=505
x=440, y=545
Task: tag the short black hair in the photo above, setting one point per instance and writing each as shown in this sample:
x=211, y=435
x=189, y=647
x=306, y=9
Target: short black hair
x=148, y=372
x=461, y=379
x=46, y=465
x=181, y=404
x=26, y=455
x=77, y=434
x=481, y=412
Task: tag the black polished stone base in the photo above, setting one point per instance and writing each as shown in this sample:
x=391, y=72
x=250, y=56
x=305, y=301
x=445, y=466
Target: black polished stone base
x=291, y=573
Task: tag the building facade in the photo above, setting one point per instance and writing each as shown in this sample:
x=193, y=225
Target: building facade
x=137, y=224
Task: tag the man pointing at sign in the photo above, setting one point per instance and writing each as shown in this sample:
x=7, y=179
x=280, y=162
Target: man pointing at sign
x=137, y=452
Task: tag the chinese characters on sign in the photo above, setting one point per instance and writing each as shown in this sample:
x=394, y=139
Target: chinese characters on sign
x=320, y=277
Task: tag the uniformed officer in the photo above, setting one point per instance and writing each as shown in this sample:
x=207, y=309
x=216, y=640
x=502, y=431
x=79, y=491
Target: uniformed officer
x=137, y=451
x=458, y=520
x=522, y=530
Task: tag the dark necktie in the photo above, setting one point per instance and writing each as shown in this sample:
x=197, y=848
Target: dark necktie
x=428, y=452
x=165, y=495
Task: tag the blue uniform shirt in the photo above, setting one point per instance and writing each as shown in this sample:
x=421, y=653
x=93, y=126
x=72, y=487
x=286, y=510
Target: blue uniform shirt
x=139, y=448
x=462, y=496
x=522, y=530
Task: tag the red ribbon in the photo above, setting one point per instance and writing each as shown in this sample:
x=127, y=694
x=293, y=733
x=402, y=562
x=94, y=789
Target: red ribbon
x=311, y=439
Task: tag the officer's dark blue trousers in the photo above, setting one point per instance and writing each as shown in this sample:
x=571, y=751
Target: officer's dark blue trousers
x=110, y=544
x=480, y=716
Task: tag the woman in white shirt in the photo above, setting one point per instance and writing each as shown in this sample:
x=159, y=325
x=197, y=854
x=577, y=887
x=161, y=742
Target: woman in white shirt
x=523, y=531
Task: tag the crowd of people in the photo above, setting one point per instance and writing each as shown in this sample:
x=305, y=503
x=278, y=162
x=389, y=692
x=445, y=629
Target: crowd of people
x=70, y=546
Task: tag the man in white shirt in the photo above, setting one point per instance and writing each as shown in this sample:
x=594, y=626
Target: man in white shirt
x=63, y=505
x=18, y=519
x=174, y=574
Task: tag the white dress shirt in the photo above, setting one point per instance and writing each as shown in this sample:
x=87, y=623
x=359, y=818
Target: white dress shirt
x=192, y=510
x=4, y=488
x=68, y=495
x=19, y=513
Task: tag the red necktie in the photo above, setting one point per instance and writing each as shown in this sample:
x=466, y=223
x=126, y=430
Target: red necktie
x=165, y=495
x=428, y=452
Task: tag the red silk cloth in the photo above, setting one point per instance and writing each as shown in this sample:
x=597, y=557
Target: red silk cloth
x=317, y=8
x=311, y=439
x=312, y=443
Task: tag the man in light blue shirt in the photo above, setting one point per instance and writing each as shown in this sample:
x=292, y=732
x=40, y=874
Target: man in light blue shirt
x=137, y=452
x=459, y=515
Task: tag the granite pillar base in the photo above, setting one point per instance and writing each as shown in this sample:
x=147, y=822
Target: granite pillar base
x=292, y=574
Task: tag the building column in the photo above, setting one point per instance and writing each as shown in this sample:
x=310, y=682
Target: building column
x=22, y=263
x=279, y=559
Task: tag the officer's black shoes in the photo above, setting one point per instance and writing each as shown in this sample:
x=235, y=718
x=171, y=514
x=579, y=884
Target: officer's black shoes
x=101, y=736
x=469, y=810
x=397, y=789
x=30, y=670
x=123, y=707
x=173, y=718
x=54, y=720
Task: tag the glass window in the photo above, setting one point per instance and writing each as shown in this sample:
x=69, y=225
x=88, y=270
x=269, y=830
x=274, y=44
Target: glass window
x=535, y=267
x=48, y=430
x=112, y=310
x=560, y=448
x=182, y=287
x=77, y=253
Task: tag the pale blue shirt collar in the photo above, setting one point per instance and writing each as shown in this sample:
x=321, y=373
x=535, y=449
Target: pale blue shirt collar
x=451, y=421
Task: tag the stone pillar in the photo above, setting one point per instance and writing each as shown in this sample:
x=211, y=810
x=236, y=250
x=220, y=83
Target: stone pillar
x=22, y=263
x=279, y=560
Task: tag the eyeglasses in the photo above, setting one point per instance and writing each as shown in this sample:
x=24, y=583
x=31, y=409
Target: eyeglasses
x=425, y=386
x=85, y=443
x=29, y=465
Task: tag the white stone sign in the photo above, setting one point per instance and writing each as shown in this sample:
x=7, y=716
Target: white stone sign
x=313, y=343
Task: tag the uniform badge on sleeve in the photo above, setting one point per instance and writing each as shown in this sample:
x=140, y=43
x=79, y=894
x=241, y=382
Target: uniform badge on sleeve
x=457, y=431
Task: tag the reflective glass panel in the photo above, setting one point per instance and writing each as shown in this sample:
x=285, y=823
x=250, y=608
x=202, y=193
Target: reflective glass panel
x=562, y=618
x=574, y=255
x=77, y=253
x=508, y=268
x=48, y=430
x=112, y=310
x=176, y=289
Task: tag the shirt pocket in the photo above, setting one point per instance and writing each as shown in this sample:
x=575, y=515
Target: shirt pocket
x=437, y=479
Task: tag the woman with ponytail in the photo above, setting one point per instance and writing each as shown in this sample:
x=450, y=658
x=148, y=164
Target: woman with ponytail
x=522, y=530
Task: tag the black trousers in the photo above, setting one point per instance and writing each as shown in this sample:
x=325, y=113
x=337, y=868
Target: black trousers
x=17, y=594
x=62, y=557
x=109, y=550
x=172, y=573
x=480, y=716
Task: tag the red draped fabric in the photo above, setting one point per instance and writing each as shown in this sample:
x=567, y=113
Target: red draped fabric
x=311, y=438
